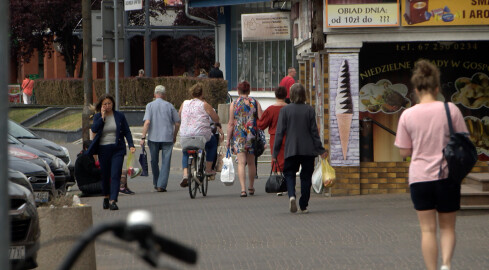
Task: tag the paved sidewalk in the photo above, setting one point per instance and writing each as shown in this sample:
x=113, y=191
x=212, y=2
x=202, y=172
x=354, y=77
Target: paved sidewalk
x=258, y=232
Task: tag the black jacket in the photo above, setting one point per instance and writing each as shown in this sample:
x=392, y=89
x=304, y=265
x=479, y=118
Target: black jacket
x=85, y=170
x=216, y=73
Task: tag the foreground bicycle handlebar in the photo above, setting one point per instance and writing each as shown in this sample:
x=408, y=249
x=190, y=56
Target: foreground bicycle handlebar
x=138, y=227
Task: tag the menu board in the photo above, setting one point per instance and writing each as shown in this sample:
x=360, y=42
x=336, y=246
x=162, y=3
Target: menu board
x=361, y=13
x=444, y=12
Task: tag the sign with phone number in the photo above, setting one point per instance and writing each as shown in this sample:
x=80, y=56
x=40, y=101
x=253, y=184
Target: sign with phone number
x=339, y=14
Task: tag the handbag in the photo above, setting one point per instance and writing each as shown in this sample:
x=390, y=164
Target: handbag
x=227, y=172
x=143, y=160
x=276, y=181
x=260, y=139
x=219, y=161
x=460, y=153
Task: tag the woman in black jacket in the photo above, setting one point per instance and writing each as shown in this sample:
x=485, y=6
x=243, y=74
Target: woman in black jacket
x=302, y=144
x=110, y=127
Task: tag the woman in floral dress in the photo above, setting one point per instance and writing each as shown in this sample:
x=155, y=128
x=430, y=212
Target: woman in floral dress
x=243, y=114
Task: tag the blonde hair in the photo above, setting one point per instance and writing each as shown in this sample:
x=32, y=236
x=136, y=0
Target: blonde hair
x=426, y=76
x=196, y=90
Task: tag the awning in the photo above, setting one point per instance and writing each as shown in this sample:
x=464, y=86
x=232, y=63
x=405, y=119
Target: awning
x=216, y=3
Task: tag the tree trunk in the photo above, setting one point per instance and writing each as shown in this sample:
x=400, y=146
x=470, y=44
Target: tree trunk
x=87, y=68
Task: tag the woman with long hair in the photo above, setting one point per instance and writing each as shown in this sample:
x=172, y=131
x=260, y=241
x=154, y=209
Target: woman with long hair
x=110, y=128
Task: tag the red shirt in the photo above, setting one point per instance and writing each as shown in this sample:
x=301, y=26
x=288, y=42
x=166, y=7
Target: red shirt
x=287, y=82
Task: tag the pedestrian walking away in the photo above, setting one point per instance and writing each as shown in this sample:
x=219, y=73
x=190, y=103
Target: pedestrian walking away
x=269, y=121
x=288, y=81
x=110, y=128
x=242, y=131
x=422, y=133
x=216, y=72
x=302, y=144
x=161, y=124
x=196, y=115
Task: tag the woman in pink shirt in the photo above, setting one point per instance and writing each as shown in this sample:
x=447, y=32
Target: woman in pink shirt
x=422, y=133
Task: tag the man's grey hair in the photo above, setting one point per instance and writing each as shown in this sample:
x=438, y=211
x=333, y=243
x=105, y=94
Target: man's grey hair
x=160, y=89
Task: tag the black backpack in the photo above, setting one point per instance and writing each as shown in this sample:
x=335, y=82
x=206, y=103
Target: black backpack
x=460, y=153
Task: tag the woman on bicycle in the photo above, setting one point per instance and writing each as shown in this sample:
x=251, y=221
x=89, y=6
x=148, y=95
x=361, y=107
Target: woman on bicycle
x=194, y=115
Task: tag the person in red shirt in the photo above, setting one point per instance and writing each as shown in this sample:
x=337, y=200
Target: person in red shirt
x=288, y=81
x=27, y=89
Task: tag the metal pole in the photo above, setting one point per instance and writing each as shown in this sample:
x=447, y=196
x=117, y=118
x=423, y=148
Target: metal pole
x=116, y=52
x=107, y=79
x=87, y=68
x=147, y=41
x=127, y=50
x=4, y=199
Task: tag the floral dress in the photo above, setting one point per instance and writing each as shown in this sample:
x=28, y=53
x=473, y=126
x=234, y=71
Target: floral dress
x=245, y=114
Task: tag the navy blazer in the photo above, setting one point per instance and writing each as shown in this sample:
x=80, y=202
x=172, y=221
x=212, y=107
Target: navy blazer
x=122, y=130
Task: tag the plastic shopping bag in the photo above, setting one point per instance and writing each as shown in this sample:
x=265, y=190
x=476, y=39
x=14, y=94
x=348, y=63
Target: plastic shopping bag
x=329, y=175
x=131, y=170
x=227, y=172
x=317, y=178
x=143, y=161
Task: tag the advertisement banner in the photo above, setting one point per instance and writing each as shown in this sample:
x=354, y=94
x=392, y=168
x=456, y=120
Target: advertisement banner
x=265, y=26
x=133, y=5
x=386, y=90
x=444, y=12
x=361, y=13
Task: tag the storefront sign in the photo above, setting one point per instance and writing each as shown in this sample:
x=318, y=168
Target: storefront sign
x=265, y=26
x=445, y=12
x=133, y=5
x=361, y=13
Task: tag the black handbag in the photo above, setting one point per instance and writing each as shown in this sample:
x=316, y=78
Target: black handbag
x=460, y=153
x=143, y=160
x=260, y=139
x=276, y=182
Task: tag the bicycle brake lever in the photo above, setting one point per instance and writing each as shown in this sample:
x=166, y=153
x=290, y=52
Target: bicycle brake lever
x=175, y=249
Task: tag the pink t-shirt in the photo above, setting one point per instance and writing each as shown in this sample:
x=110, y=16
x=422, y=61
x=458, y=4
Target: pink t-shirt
x=424, y=128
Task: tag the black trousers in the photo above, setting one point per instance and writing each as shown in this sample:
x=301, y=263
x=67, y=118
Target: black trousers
x=291, y=167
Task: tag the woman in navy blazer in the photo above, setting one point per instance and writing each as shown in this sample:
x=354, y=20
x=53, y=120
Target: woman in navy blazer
x=110, y=127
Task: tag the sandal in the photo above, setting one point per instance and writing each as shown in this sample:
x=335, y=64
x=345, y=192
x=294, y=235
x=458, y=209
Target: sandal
x=251, y=191
x=210, y=173
x=243, y=194
x=184, y=182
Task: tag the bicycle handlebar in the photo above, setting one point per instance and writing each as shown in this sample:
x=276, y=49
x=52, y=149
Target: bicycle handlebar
x=137, y=228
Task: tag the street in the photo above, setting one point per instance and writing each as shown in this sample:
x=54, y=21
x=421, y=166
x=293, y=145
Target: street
x=259, y=232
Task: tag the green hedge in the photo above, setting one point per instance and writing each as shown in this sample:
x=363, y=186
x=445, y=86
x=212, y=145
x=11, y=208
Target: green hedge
x=132, y=91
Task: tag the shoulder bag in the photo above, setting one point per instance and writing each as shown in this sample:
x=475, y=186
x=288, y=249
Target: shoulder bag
x=460, y=153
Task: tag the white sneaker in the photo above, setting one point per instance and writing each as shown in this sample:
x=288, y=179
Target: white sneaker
x=444, y=267
x=293, y=205
x=305, y=211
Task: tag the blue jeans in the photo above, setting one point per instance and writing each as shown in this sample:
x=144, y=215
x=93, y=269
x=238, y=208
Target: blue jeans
x=210, y=152
x=111, y=158
x=160, y=176
x=291, y=167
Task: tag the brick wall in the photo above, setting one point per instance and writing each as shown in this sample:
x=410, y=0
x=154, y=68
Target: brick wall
x=378, y=178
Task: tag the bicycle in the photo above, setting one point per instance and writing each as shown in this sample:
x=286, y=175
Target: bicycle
x=197, y=179
x=138, y=227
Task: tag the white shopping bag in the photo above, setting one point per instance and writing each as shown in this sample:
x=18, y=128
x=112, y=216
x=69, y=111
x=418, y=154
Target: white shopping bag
x=317, y=178
x=227, y=172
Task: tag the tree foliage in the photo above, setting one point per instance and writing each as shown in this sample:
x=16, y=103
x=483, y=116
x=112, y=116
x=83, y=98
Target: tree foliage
x=37, y=24
x=209, y=13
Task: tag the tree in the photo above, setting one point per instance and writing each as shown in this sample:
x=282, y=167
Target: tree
x=39, y=24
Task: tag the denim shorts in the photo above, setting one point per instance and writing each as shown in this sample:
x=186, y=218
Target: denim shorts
x=442, y=195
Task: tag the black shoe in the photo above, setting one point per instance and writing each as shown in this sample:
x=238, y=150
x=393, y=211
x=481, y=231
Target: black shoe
x=113, y=206
x=105, y=205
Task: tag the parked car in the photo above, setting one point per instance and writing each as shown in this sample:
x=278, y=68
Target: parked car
x=20, y=179
x=31, y=139
x=41, y=181
x=24, y=228
x=57, y=166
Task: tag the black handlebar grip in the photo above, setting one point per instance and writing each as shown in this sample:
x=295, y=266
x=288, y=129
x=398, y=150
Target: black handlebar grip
x=176, y=250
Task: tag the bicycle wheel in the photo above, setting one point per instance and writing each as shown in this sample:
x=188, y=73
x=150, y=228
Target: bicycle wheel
x=203, y=180
x=192, y=184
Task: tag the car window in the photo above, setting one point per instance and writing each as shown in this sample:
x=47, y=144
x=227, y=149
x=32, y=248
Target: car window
x=19, y=131
x=13, y=140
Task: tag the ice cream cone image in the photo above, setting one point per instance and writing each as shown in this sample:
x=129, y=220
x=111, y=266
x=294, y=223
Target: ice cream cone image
x=344, y=107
